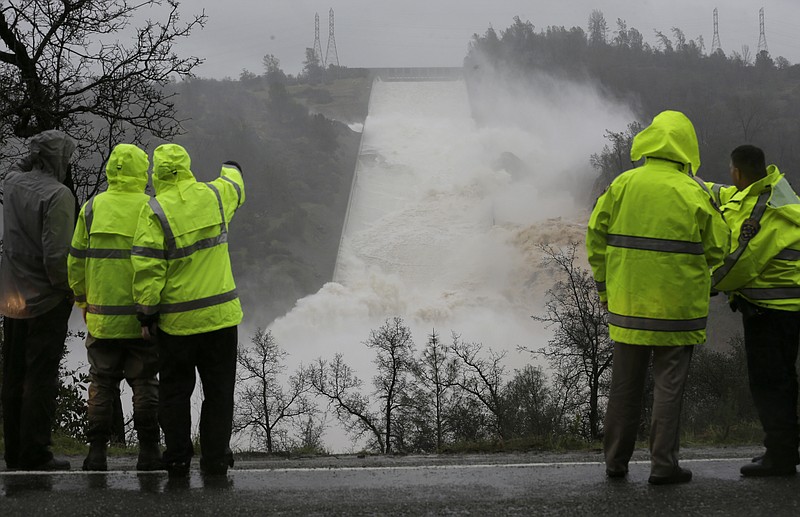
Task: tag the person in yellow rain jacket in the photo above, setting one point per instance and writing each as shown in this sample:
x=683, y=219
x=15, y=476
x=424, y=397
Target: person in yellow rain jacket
x=653, y=237
x=762, y=275
x=186, y=300
x=101, y=276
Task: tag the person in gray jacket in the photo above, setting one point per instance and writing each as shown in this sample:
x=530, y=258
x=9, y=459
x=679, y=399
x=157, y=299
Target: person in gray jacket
x=35, y=298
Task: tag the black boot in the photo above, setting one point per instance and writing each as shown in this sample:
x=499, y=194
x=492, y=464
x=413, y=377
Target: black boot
x=96, y=459
x=149, y=457
x=679, y=475
x=146, y=424
x=767, y=467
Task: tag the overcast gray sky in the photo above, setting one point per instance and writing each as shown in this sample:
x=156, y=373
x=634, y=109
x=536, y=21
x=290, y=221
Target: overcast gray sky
x=387, y=33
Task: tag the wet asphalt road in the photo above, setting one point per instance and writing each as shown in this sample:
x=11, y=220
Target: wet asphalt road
x=508, y=484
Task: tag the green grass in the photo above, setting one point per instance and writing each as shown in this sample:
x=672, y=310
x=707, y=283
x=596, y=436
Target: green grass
x=67, y=445
x=742, y=433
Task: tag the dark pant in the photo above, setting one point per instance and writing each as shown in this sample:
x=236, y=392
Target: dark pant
x=32, y=351
x=213, y=354
x=112, y=360
x=771, y=341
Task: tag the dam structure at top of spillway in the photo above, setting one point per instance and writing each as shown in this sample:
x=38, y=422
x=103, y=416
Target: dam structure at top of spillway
x=401, y=216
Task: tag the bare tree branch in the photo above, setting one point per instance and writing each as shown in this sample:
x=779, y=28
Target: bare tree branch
x=63, y=67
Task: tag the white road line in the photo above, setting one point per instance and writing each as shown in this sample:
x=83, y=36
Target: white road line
x=362, y=469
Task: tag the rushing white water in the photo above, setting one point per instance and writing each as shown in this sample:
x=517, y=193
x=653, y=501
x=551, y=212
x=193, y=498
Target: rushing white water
x=440, y=233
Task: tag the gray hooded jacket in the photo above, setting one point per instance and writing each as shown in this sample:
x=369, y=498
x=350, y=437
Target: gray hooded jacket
x=38, y=221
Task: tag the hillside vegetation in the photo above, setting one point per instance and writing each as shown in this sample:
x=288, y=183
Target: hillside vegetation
x=298, y=168
x=731, y=99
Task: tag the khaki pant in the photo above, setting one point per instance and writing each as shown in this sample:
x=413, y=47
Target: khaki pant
x=670, y=370
x=111, y=361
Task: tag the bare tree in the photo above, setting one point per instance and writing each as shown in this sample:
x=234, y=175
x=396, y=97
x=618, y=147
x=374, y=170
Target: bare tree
x=336, y=382
x=263, y=405
x=394, y=350
x=436, y=373
x=580, y=351
x=751, y=112
x=394, y=359
x=482, y=378
x=64, y=67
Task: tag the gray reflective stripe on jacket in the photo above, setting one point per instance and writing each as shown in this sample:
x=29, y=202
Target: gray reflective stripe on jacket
x=653, y=244
x=75, y=252
x=223, y=226
x=715, y=189
x=199, y=245
x=142, y=251
x=98, y=253
x=714, y=196
x=155, y=206
x=200, y=303
x=656, y=325
x=173, y=252
x=102, y=253
x=237, y=187
x=88, y=217
x=756, y=214
x=111, y=310
x=771, y=293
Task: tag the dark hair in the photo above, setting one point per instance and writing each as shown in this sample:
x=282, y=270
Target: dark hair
x=750, y=161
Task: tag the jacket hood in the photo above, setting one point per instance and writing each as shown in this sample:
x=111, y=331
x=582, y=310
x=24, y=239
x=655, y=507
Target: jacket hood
x=127, y=168
x=171, y=164
x=51, y=151
x=670, y=136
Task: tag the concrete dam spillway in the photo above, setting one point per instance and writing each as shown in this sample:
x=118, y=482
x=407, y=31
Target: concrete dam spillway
x=402, y=218
x=437, y=232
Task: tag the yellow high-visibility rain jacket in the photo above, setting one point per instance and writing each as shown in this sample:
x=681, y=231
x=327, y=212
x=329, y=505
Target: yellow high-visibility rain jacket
x=653, y=238
x=99, y=262
x=182, y=270
x=764, y=263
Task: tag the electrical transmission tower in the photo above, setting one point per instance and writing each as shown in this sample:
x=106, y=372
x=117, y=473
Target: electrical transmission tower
x=317, y=44
x=715, y=44
x=762, y=36
x=331, y=56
